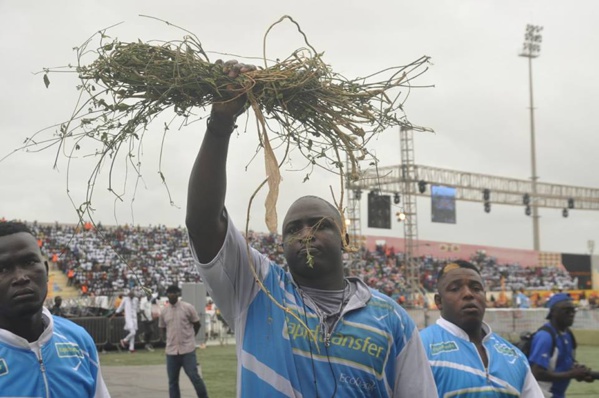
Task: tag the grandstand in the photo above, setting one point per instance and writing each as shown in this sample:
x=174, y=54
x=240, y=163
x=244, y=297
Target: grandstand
x=92, y=266
x=107, y=260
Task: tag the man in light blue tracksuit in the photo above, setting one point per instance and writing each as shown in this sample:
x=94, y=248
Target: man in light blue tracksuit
x=309, y=332
x=41, y=355
x=469, y=360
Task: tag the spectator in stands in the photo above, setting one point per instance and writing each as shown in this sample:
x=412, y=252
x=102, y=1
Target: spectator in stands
x=335, y=336
x=56, y=308
x=41, y=355
x=465, y=355
x=179, y=323
x=583, y=303
x=593, y=301
x=130, y=307
x=522, y=300
x=117, y=301
x=70, y=276
x=491, y=302
x=553, y=352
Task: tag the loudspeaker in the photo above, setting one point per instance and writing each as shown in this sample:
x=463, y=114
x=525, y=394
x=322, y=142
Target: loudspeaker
x=379, y=211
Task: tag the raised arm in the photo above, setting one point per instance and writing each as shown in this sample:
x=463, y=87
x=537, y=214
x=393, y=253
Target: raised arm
x=208, y=180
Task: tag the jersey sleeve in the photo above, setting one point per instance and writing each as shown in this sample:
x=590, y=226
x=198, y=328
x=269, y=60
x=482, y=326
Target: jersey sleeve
x=531, y=388
x=229, y=278
x=541, y=349
x=101, y=389
x=413, y=377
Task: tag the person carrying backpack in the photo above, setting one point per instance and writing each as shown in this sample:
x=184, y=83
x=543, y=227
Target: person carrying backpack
x=552, y=355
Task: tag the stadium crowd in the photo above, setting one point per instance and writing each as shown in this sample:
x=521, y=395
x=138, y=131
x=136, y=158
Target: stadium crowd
x=106, y=261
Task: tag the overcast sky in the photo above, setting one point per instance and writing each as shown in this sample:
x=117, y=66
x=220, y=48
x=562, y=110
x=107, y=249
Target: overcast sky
x=478, y=107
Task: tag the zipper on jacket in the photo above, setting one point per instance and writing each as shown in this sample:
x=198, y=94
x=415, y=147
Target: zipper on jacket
x=487, y=375
x=329, y=332
x=43, y=370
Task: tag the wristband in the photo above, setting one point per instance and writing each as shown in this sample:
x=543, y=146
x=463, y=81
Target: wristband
x=217, y=125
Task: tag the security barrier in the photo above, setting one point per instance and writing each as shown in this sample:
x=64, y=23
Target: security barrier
x=97, y=327
x=513, y=321
x=108, y=331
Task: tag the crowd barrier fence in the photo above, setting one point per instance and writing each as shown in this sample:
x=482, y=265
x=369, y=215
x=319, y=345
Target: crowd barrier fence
x=108, y=331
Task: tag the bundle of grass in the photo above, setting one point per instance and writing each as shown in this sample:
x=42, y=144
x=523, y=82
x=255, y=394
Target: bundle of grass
x=299, y=101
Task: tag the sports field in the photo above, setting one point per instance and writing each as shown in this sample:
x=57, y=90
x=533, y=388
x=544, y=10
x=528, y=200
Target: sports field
x=219, y=364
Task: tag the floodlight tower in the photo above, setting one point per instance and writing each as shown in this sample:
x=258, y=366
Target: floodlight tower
x=531, y=49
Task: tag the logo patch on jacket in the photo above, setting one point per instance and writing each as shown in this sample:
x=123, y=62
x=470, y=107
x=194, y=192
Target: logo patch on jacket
x=505, y=350
x=67, y=350
x=3, y=367
x=445, y=346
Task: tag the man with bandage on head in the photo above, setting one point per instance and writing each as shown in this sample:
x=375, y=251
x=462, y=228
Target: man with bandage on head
x=466, y=357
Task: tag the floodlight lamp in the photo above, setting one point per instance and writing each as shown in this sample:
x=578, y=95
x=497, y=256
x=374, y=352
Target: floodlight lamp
x=487, y=207
x=527, y=210
x=421, y=186
x=400, y=216
x=570, y=203
x=358, y=194
x=565, y=212
x=486, y=194
x=532, y=41
x=526, y=199
x=396, y=198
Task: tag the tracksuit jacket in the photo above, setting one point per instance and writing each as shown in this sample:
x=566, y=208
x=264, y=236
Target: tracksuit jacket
x=62, y=363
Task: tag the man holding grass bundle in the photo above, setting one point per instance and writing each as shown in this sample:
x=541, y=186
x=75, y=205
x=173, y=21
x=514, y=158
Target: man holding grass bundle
x=310, y=332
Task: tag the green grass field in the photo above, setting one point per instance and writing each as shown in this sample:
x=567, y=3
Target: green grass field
x=219, y=368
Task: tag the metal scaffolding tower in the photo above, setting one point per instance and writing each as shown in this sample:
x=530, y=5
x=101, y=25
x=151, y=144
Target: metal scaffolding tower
x=352, y=218
x=354, y=227
x=410, y=222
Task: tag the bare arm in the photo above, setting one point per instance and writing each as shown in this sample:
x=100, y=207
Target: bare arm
x=576, y=372
x=196, y=327
x=208, y=180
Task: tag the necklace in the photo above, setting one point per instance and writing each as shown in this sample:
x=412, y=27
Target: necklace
x=327, y=303
x=342, y=303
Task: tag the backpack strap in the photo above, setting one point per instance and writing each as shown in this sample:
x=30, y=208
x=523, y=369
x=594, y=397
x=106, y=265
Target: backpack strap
x=574, y=344
x=553, y=334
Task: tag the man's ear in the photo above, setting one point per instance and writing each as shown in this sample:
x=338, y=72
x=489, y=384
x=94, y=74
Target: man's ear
x=438, y=302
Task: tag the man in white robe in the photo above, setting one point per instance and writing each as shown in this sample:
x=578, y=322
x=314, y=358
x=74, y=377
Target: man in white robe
x=130, y=305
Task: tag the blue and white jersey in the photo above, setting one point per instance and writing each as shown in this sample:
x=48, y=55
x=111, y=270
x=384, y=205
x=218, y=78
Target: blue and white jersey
x=374, y=349
x=63, y=362
x=459, y=370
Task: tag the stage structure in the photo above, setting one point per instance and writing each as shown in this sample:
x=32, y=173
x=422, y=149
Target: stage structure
x=409, y=180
